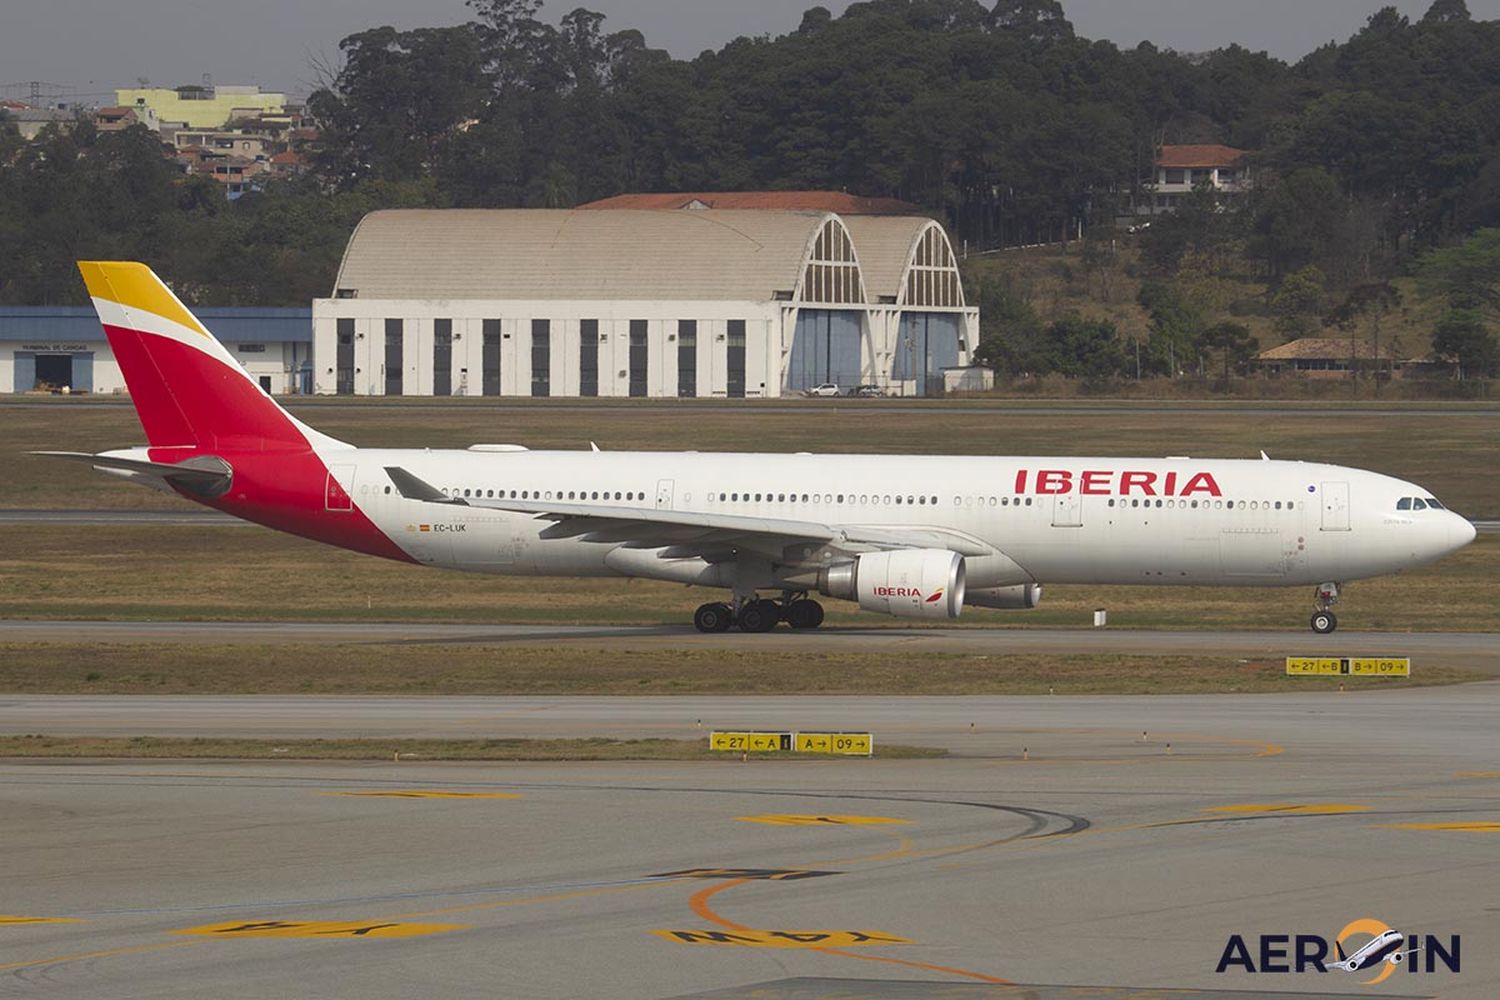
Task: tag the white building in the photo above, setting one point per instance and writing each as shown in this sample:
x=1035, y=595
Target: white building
x=46, y=348
x=694, y=303
x=1178, y=170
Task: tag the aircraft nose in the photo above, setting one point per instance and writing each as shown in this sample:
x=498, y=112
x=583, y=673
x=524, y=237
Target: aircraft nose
x=1460, y=532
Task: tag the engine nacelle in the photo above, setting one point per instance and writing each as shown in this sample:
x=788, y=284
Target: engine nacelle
x=1022, y=596
x=908, y=583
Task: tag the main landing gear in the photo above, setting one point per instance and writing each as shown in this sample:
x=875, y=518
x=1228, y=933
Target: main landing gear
x=1323, y=619
x=759, y=614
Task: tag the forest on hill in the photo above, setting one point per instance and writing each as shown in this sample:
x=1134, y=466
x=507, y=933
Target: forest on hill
x=1372, y=159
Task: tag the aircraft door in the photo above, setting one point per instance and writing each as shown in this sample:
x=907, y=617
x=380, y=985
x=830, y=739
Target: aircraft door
x=664, y=490
x=338, y=492
x=1067, y=511
x=1335, y=506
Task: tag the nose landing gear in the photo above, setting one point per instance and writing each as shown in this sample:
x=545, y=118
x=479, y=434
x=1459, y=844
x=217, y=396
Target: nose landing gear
x=1324, y=620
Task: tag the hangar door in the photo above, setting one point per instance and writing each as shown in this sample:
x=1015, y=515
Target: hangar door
x=74, y=370
x=926, y=344
x=826, y=348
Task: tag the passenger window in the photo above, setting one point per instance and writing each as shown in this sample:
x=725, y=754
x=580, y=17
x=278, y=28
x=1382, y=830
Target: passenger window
x=841, y=498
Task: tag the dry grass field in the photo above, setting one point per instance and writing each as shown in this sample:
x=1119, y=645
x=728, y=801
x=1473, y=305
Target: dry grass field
x=76, y=668
x=595, y=748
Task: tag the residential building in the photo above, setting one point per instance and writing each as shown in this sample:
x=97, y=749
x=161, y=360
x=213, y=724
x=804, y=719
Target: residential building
x=202, y=106
x=1328, y=357
x=1179, y=170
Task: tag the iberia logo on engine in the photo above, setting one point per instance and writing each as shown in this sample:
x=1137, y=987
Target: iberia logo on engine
x=897, y=592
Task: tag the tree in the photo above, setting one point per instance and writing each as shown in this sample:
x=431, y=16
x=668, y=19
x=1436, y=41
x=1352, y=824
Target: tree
x=1232, y=342
x=1085, y=348
x=1446, y=12
x=1298, y=302
x=1297, y=222
x=1461, y=334
x=1467, y=274
x=1174, y=327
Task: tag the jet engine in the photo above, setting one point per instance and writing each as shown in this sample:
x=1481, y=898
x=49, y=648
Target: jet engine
x=1022, y=596
x=907, y=583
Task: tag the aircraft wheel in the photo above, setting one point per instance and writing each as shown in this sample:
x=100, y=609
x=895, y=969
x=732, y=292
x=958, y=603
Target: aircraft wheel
x=804, y=614
x=1324, y=622
x=713, y=617
x=759, y=616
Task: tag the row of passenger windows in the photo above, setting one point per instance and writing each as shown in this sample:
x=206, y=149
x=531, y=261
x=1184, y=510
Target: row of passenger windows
x=863, y=498
x=892, y=499
x=1215, y=504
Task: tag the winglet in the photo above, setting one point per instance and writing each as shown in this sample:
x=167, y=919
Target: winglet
x=593, y=446
x=1263, y=456
x=412, y=488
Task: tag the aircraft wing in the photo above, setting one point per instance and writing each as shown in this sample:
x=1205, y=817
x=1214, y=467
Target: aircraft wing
x=712, y=536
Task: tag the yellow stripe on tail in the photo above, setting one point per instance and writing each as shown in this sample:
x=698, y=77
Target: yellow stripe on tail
x=135, y=286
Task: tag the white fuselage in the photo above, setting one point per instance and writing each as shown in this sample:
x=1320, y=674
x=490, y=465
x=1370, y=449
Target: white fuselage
x=1046, y=520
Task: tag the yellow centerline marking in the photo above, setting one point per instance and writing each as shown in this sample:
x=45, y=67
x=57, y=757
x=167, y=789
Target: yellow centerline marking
x=419, y=793
x=318, y=928
x=105, y=953
x=13, y=921
x=788, y=819
x=1480, y=826
x=1293, y=808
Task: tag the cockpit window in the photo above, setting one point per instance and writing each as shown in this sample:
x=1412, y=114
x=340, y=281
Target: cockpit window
x=1417, y=504
x=1434, y=504
x=1404, y=503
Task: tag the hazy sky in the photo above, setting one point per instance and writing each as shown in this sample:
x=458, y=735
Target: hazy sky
x=94, y=45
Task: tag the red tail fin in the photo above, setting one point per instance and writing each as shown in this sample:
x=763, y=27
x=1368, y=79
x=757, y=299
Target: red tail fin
x=187, y=389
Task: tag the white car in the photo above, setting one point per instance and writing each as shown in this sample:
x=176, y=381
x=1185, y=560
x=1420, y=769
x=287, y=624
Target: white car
x=825, y=389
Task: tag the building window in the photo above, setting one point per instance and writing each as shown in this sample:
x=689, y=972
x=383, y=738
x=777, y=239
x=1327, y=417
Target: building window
x=588, y=357
x=735, y=362
x=638, y=357
x=442, y=357
x=541, y=357
x=395, y=339
x=344, y=381
x=252, y=348
x=1173, y=175
x=490, y=361
x=687, y=357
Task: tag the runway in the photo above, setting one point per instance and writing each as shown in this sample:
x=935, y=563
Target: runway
x=1106, y=860
x=1476, y=650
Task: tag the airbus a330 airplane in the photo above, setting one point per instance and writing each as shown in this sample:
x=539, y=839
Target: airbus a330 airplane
x=910, y=536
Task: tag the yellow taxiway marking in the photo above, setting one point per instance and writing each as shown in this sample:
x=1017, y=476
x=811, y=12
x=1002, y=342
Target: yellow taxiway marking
x=317, y=928
x=783, y=939
x=82, y=956
x=1294, y=808
x=1477, y=774
x=783, y=819
x=1482, y=826
x=7, y=920
x=419, y=793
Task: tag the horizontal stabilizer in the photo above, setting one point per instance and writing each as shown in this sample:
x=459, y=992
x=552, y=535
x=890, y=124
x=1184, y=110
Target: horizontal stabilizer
x=205, y=476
